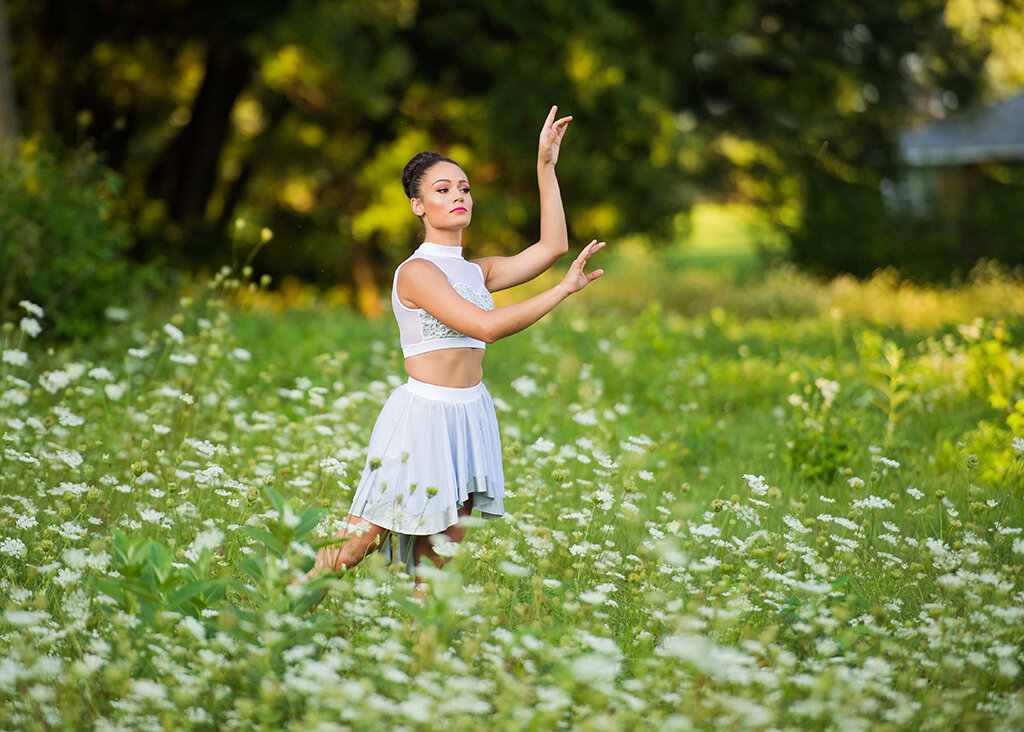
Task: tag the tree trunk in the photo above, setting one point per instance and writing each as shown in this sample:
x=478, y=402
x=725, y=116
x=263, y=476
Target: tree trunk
x=367, y=293
x=276, y=113
x=8, y=108
x=186, y=172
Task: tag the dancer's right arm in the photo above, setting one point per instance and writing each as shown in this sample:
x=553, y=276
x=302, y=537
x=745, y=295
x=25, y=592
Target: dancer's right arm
x=423, y=285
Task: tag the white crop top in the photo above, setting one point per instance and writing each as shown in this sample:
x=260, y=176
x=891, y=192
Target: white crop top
x=420, y=331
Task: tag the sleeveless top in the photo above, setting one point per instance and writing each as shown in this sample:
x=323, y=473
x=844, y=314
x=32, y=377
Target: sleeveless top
x=419, y=331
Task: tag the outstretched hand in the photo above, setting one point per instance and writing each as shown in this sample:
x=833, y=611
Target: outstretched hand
x=576, y=279
x=551, y=138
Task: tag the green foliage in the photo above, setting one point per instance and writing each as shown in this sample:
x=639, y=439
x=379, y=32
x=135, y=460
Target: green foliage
x=995, y=369
x=297, y=116
x=848, y=226
x=891, y=389
x=149, y=581
x=822, y=437
x=63, y=239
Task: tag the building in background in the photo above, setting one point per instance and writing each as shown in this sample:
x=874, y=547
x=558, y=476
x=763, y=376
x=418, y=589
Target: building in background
x=948, y=161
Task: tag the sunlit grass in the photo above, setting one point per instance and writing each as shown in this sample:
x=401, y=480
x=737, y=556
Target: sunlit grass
x=795, y=505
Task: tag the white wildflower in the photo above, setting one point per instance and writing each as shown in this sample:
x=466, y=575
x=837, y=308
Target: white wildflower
x=71, y=530
x=113, y=391
x=26, y=618
x=174, y=333
x=889, y=463
x=151, y=515
x=31, y=308
x=915, y=493
x=515, y=570
x=17, y=397
x=442, y=547
x=205, y=540
x=543, y=445
x=101, y=373
x=67, y=576
x=756, y=483
x=592, y=667
x=240, y=354
x=193, y=627
x=71, y=458
x=705, y=530
x=795, y=524
x=855, y=482
x=332, y=466
x=13, y=547
x=645, y=475
x=54, y=381
x=723, y=662
x=873, y=502
x=828, y=389
x=146, y=689
x=15, y=357
x=67, y=418
x=31, y=327
x=1018, y=444
x=587, y=418
x=525, y=386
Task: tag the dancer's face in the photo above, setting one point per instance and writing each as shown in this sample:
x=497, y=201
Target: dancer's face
x=445, y=202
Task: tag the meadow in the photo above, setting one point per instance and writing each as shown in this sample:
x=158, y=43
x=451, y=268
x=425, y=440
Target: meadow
x=763, y=502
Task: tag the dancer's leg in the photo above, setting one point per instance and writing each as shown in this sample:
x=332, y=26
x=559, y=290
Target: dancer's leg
x=361, y=537
x=423, y=547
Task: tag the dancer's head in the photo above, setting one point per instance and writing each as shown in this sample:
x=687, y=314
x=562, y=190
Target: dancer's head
x=438, y=191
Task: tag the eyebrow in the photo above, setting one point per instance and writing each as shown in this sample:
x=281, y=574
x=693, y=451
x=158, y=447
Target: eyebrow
x=446, y=180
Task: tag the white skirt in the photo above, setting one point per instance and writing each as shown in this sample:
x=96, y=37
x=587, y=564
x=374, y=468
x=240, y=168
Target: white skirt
x=432, y=447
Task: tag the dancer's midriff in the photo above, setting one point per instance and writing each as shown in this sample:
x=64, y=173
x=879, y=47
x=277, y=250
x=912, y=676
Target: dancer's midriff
x=454, y=367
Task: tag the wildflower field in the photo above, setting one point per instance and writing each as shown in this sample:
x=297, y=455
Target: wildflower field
x=783, y=505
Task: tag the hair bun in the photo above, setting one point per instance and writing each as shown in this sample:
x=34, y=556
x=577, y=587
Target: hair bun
x=416, y=168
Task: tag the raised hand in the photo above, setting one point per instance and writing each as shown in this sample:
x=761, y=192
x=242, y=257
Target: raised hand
x=551, y=137
x=576, y=279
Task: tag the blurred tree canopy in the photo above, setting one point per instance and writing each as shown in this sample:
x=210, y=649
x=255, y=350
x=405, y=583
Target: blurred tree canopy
x=229, y=118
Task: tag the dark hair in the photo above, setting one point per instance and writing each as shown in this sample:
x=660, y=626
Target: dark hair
x=416, y=168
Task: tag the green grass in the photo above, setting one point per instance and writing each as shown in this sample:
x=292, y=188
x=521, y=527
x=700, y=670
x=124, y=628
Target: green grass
x=724, y=238
x=782, y=505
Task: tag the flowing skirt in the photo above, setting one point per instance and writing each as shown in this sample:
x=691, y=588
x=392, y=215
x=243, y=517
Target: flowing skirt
x=431, y=448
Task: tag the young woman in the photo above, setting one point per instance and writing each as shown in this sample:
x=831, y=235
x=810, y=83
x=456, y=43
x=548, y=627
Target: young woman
x=434, y=453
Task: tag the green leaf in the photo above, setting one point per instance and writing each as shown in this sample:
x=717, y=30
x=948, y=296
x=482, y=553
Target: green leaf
x=273, y=544
x=310, y=518
x=243, y=589
x=275, y=499
x=190, y=590
x=107, y=587
x=254, y=566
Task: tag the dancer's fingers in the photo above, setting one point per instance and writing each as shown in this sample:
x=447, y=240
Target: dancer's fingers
x=589, y=250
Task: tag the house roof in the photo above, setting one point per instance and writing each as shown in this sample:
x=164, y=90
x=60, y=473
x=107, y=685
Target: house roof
x=984, y=135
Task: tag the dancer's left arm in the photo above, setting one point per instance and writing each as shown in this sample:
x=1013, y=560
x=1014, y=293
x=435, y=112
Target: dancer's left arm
x=503, y=272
